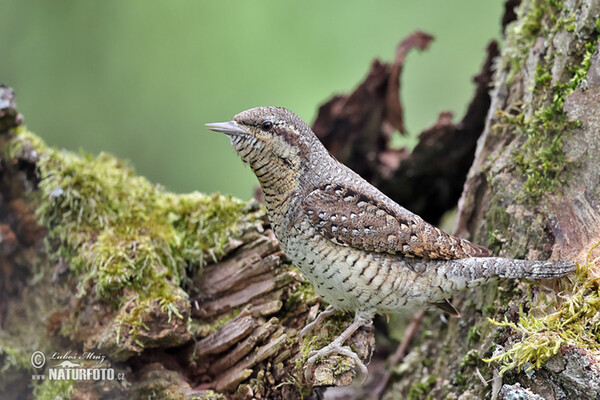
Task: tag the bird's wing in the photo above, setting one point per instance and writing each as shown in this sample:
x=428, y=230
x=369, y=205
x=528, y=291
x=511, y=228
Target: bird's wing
x=349, y=218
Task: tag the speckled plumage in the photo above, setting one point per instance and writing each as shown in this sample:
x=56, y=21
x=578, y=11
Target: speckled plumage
x=362, y=251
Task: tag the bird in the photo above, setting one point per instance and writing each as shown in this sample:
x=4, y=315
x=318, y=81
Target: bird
x=361, y=251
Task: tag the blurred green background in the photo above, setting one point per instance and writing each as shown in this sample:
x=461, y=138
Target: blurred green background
x=140, y=78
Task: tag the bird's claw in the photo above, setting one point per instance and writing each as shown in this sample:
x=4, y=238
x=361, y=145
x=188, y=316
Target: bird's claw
x=329, y=350
x=330, y=310
x=309, y=327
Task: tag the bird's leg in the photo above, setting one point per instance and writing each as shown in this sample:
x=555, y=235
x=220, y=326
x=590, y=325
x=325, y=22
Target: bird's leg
x=330, y=310
x=336, y=347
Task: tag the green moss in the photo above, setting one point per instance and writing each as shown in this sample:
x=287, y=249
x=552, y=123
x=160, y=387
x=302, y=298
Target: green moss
x=489, y=310
x=474, y=334
x=541, y=158
x=53, y=390
x=328, y=331
x=129, y=241
x=543, y=78
x=461, y=380
x=13, y=359
x=574, y=323
x=421, y=390
x=470, y=359
x=535, y=18
x=301, y=294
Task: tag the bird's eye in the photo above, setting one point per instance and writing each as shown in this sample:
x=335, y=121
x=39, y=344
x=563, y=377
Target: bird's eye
x=266, y=126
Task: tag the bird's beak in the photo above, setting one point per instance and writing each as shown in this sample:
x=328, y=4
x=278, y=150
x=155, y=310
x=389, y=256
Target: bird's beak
x=228, y=128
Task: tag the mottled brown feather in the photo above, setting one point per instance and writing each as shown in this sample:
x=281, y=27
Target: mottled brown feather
x=348, y=217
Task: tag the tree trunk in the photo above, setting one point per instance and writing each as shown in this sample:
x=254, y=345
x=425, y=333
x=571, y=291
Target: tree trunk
x=533, y=191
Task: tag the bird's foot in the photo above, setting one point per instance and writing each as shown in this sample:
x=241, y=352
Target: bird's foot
x=324, y=314
x=336, y=347
x=330, y=349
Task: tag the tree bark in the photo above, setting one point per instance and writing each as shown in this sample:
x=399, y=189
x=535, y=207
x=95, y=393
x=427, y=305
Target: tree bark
x=532, y=192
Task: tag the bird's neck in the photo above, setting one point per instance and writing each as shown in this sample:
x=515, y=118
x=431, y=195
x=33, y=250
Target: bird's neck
x=279, y=180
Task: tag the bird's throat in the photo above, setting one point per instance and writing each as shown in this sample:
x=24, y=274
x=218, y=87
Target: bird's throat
x=277, y=180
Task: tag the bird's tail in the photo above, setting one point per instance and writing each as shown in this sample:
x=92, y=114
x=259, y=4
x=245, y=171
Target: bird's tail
x=535, y=269
x=469, y=272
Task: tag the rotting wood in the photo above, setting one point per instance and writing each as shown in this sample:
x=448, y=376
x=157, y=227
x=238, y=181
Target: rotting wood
x=262, y=339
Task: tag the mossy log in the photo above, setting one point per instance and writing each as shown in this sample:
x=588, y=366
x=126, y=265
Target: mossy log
x=181, y=295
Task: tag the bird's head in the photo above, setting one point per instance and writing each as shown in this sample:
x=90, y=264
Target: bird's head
x=271, y=135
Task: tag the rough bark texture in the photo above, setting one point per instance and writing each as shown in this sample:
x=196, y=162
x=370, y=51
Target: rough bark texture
x=220, y=311
x=533, y=192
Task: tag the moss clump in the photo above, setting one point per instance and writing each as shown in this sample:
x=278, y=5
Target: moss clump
x=302, y=293
x=470, y=359
x=474, y=334
x=124, y=238
x=316, y=339
x=13, y=358
x=541, y=158
x=489, y=310
x=421, y=390
x=575, y=323
x=535, y=18
x=53, y=390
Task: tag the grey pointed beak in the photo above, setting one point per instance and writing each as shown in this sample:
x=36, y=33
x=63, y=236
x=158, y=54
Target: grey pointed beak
x=228, y=128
